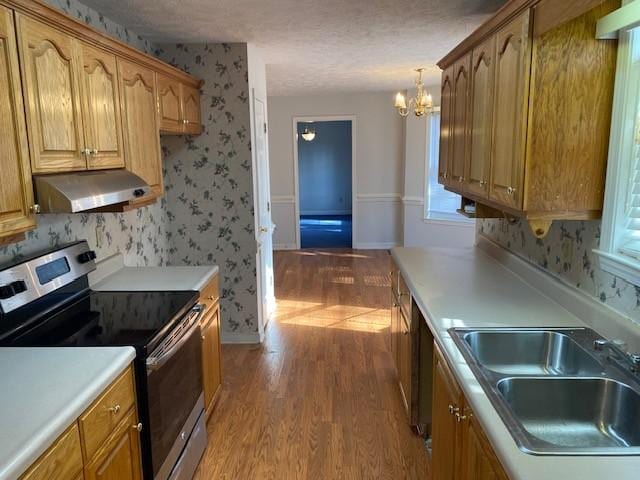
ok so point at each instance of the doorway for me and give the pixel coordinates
(324, 161)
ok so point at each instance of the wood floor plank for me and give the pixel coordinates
(319, 399)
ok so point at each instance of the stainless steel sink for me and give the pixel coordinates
(575, 415)
(559, 391)
(530, 352)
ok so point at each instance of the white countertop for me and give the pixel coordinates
(468, 288)
(44, 390)
(112, 275)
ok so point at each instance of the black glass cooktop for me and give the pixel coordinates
(138, 319)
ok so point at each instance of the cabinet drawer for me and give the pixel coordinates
(101, 418)
(63, 461)
(210, 294)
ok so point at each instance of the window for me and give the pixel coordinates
(439, 204)
(620, 240)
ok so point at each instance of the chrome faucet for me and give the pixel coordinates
(630, 361)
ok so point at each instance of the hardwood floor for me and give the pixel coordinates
(319, 399)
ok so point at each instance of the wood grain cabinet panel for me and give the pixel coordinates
(478, 165)
(169, 104)
(461, 86)
(191, 110)
(446, 126)
(460, 449)
(119, 457)
(513, 60)
(52, 90)
(16, 190)
(141, 134)
(405, 358)
(102, 417)
(211, 366)
(101, 102)
(62, 461)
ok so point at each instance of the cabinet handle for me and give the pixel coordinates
(460, 179)
(94, 151)
(396, 304)
(445, 175)
(35, 208)
(461, 418)
(115, 409)
(453, 410)
(86, 151)
(211, 297)
(482, 183)
(137, 427)
(511, 190)
(203, 337)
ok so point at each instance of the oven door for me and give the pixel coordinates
(174, 386)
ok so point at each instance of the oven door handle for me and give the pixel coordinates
(156, 362)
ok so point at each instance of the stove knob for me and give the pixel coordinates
(87, 256)
(14, 288)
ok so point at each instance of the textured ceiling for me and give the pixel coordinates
(316, 46)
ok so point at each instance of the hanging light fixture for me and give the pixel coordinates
(308, 135)
(422, 103)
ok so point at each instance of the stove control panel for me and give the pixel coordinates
(35, 277)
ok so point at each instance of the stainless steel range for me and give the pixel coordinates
(45, 300)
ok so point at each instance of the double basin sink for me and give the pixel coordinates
(555, 392)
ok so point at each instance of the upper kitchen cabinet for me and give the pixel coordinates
(101, 106)
(513, 59)
(478, 164)
(16, 192)
(533, 150)
(52, 96)
(178, 106)
(141, 134)
(460, 108)
(446, 127)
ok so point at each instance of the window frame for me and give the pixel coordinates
(621, 160)
(429, 216)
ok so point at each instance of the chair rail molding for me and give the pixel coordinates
(379, 197)
(283, 199)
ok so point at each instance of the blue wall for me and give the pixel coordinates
(324, 169)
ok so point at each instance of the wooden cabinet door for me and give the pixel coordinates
(52, 91)
(446, 131)
(404, 358)
(461, 85)
(141, 135)
(211, 373)
(16, 189)
(119, 458)
(445, 437)
(101, 107)
(481, 114)
(191, 109)
(513, 63)
(479, 461)
(169, 105)
(395, 330)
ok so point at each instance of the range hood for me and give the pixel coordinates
(81, 191)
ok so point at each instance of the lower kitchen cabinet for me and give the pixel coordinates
(119, 457)
(460, 449)
(211, 359)
(104, 442)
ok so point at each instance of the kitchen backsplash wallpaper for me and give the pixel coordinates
(567, 253)
(209, 184)
(140, 235)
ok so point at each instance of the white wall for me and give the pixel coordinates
(417, 231)
(324, 169)
(380, 138)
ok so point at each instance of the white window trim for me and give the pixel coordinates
(434, 216)
(623, 124)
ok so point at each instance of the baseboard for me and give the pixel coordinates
(284, 246)
(240, 338)
(326, 212)
(376, 245)
(599, 316)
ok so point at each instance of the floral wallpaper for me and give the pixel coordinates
(567, 253)
(209, 184)
(141, 234)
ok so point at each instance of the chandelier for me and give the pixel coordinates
(422, 103)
